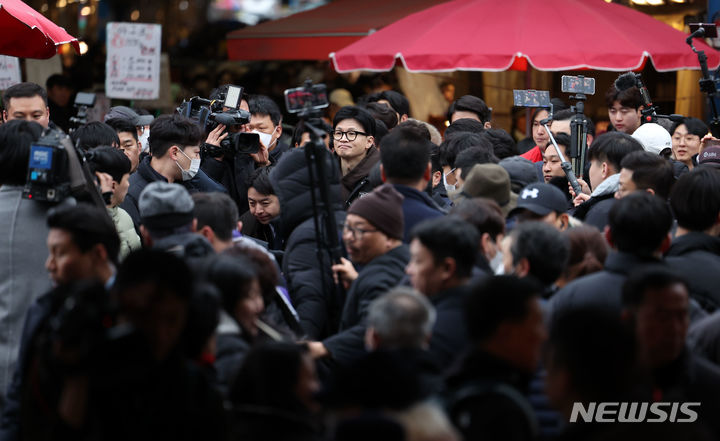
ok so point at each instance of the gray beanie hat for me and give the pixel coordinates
(165, 206)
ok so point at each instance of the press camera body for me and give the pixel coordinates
(83, 102)
(225, 110)
(56, 171)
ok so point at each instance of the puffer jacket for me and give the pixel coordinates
(316, 298)
(129, 239)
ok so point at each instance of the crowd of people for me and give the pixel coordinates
(366, 277)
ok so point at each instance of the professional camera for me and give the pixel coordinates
(56, 171)
(224, 110)
(83, 101)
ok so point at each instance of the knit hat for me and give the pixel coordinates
(488, 181)
(383, 209)
(126, 113)
(165, 206)
(653, 137)
(522, 172)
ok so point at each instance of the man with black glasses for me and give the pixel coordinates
(354, 141)
(372, 233)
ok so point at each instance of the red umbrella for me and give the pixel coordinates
(551, 35)
(26, 33)
(312, 34)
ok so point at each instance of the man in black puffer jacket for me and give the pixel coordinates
(695, 250)
(315, 296)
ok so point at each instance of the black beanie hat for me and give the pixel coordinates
(383, 209)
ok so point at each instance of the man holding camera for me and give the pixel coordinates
(233, 173)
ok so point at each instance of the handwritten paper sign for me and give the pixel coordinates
(9, 71)
(133, 61)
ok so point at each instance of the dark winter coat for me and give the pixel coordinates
(690, 378)
(497, 408)
(600, 289)
(375, 279)
(696, 256)
(222, 173)
(268, 233)
(417, 206)
(145, 174)
(10, 420)
(261, 423)
(357, 183)
(316, 298)
(596, 211)
(603, 289)
(704, 337)
(449, 338)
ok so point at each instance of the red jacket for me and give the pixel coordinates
(534, 154)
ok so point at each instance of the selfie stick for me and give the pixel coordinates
(707, 85)
(566, 166)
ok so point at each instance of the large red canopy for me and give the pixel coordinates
(550, 35)
(26, 33)
(313, 34)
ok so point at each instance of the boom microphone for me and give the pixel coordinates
(625, 81)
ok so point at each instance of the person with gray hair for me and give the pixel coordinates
(399, 326)
(402, 318)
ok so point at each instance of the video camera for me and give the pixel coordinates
(83, 101)
(56, 171)
(225, 110)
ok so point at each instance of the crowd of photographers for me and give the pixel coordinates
(366, 277)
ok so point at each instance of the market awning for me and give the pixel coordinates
(550, 35)
(314, 34)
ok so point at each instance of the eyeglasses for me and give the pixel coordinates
(350, 134)
(356, 233)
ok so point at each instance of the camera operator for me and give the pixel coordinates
(233, 173)
(175, 157)
(22, 241)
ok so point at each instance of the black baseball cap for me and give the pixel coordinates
(542, 199)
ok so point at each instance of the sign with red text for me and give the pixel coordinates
(133, 61)
(9, 71)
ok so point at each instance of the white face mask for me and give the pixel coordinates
(192, 171)
(265, 138)
(143, 140)
(448, 187)
(496, 264)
